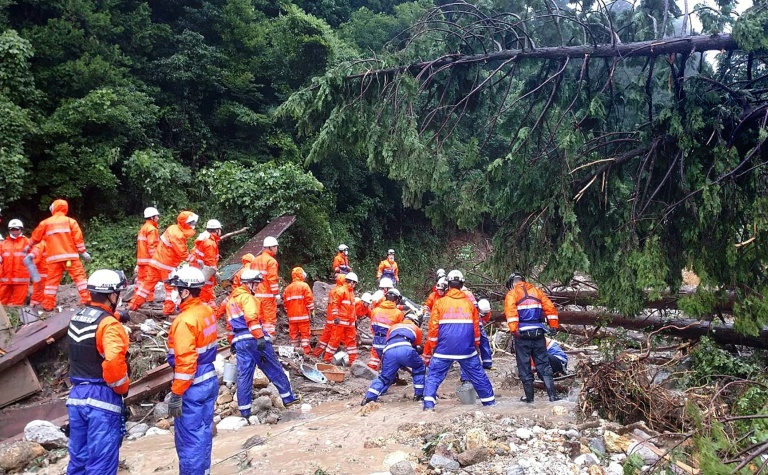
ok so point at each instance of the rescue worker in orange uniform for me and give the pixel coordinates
(171, 251)
(364, 306)
(191, 352)
(341, 308)
(383, 318)
(529, 311)
(441, 287)
(253, 346)
(38, 255)
(14, 276)
(325, 337)
(388, 268)
(454, 335)
(98, 344)
(64, 244)
(269, 289)
(341, 261)
(207, 255)
(246, 262)
(146, 244)
(299, 305)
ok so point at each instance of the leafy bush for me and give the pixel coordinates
(112, 244)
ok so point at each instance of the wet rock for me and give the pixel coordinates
(160, 411)
(225, 398)
(648, 455)
(615, 443)
(523, 433)
(597, 445)
(586, 460)
(402, 467)
(19, 454)
(473, 456)
(261, 403)
(443, 463)
(46, 434)
(360, 370)
(163, 424)
(475, 438)
(138, 430)
(157, 431)
(232, 423)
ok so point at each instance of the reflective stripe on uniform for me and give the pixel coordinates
(95, 403)
(454, 357)
(204, 377)
(120, 382)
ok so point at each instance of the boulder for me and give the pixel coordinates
(160, 411)
(615, 443)
(443, 463)
(597, 445)
(360, 370)
(586, 460)
(260, 380)
(232, 423)
(320, 291)
(262, 403)
(473, 456)
(225, 398)
(164, 424)
(138, 430)
(19, 454)
(475, 438)
(523, 433)
(648, 455)
(46, 434)
(402, 467)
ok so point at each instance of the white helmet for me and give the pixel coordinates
(188, 278)
(351, 277)
(343, 247)
(484, 306)
(442, 284)
(455, 276)
(150, 212)
(386, 283)
(213, 224)
(390, 251)
(367, 298)
(270, 241)
(440, 273)
(192, 219)
(377, 296)
(251, 275)
(15, 223)
(107, 281)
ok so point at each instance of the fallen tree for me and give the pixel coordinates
(667, 301)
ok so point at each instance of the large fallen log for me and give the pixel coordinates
(668, 300)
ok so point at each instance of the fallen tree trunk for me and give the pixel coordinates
(668, 300)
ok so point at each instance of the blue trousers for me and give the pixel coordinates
(94, 440)
(394, 359)
(486, 355)
(194, 429)
(248, 358)
(438, 368)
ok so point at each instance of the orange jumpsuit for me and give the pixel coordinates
(170, 252)
(14, 276)
(299, 304)
(38, 289)
(64, 242)
(146, 244)
(388, 269)
(383, 318)
(522, 307)
(341, 264)
(432, 298)
(246, 261)
(267, 289)
(341, 306)
(325, 337)
(207, 252)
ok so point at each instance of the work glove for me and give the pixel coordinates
(86, 257)
(420, 350)
(336, 321)
(552, 331)
(261, 344)
(125, 315)
(174, 405)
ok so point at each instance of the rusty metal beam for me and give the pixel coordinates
(35, 336)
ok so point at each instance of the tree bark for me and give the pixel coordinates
(687, 44)
(668, 300)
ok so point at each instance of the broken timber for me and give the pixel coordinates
(31, 338)
(668, 300)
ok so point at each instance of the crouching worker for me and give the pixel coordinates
(402, 350)
(99, 375)
(252, 344)
(191, 353)
(558, 360)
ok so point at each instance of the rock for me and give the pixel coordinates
(18, 454)
(46, 434)
(277, 402)
(538, 430)
(160, 411)
(234, 408)
(615, 468)
(586, 460)
(395, 457)
(225, 398)
(138, 430)
(157, 431)
(648, 455)
(360, 370)
(615, 443)
(402, 467)
(596, 470)
(232, 423)
(260, 380)
(475, 438)
(560, 410)
(515, 470)
(572, 434)
(224, 389)
(473, 456)
(597, 445)
(618, 458)
(523, 433)
(254, 421)
(272, 418)
(443, 463)
(216, 419)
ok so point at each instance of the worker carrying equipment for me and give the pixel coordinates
(383, 318)
(299, 305)
(64, 245)
(14, 273)
(269, 288)
(98, 371)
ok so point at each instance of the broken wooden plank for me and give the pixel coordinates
(275, 228)
(31, 338)
(18, 381)
(13, 422)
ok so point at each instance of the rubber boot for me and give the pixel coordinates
(549, 383)
(528, 390)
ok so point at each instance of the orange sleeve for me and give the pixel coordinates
(431, 300)
(252, 313)
(38, 234)
(334, 302)
(309, 298)
(77, 235)
(186, 355)
(510, 311)
(381, 269)
(337, 263)
(397, 271)
(432, 332)
(549, 310)
(419, 336)
(178, 242)
(475, 323)
(272, 278)
(153, 237)
(112, 342)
